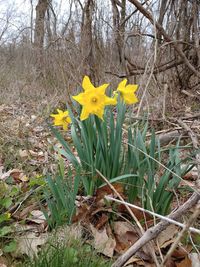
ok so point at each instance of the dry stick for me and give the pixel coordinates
(149, 78)
(157, 70)
(151, 249)
(148, 15)
(194, 230)
(185, 229)
(153, 232)
(120, 197)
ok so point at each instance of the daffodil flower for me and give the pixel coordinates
(93, 99)
(61, 119)
(127, 92)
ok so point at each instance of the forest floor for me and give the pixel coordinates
(27, 155)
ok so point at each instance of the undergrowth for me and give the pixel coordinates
(74, 253)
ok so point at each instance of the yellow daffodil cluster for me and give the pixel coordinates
(94, 100)
(61, 119)
(127, 92)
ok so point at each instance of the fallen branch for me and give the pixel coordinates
(154, 231)
(191, 220)
(140, 71)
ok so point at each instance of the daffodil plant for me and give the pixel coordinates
(97, 135)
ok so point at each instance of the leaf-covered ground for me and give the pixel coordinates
(27, 155)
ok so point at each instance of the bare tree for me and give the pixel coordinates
(41, 9)
(87, 39)
(119, 25)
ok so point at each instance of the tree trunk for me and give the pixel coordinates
(41, 9)
(87, 41)
(119, 27)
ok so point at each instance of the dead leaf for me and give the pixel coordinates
(181, 252)
(137, 260)
(33, 153)
(195, 259)
(102, 242)
(23, 153)
(140, 215)
(191, 175)
(28, 244)
(15, 173)
(170, 263)
(185, 263)
(103, 219)
(125, 236)
(21, 215)
(166, 237)
(106, 190)
(82, 213)
(4, 175)
(37, 217)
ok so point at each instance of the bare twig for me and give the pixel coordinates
(194, 230)
(153, 232)
(185, 229)
(120, 197)
(150, 247)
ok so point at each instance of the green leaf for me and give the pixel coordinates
(5, 230)
(119, 178)
(4, 217)
(11, 247)
(66, 147)
(6, 202)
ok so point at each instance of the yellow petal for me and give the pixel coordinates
(59, 111)
(66, 113)
(69, 120)
(132, 87)
(84, 114)
(58, 122)
(130, 98)
(122, 85)
(102, 88)
(86, 84)
(54, 115)
(79, 98)
(110, 101)
(100, 113)
(65, 126)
